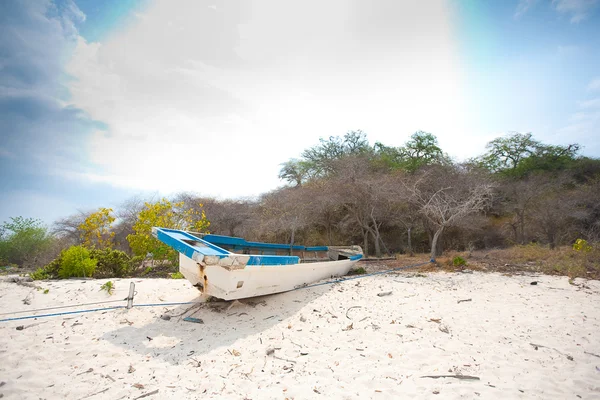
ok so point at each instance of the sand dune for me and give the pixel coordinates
(339, 341)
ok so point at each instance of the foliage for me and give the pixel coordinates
(76, 262)
(318, 160)
(177, 275)
(295, 171)
(22, 240)
(422, 149)
(96, 229)
(582, 245)
(108, 286)
(458, 261)
(111, 263)
(519, 154)
(49, 271)
(357, 271)
(164, 214)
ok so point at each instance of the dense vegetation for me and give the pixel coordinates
(412, 198)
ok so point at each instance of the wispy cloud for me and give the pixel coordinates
(577, 9)
(593, 103)
(594, 85)
(523, 7)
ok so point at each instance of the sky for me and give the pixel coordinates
(104, 100)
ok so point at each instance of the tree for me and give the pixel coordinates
(96, 230)
(319, 159)
(22, 240)
(361, 192)
(445, 195)
(67, 228)
(519, 154)
(422, 149)
(163, 214)
(294, 171)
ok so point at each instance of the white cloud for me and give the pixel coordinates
(523, 7)
(214, 100)
(594, 84)
(593, 103)
(577, 9)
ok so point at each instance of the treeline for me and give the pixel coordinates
(344, 190)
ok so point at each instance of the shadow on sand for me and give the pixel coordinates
(223, 324)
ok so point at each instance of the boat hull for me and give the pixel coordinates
(258, 280)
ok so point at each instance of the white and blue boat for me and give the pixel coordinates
(232, 268)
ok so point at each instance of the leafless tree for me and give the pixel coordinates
(444, 195)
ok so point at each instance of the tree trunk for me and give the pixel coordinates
(521, 215)
(410, 249)
(434, 243)
(292, 239)
(365, 242)
(376, 240)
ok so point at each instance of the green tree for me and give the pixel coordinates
(422, 149)
(22, 240)
(319, 160)
(519, 154)
(164, 214)
(295, 171)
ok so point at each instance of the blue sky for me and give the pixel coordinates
(102, 100)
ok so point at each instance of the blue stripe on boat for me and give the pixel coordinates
(188, 245)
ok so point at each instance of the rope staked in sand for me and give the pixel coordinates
(187, 302)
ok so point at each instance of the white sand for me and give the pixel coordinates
(393, 342)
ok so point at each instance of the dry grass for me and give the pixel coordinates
(530, 258)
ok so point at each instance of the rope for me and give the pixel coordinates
(188, 302)
(61, 313)
(363, 276)
(56, 308)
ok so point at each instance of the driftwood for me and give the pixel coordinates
(463, 377)
(147, 394)
(535, 346)
(351, 309)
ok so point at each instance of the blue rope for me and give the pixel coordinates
(60, 313)
(364, 276)
(195, 302)
(165, 304)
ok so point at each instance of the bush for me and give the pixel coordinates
(111, 263)
(135, 262)
(76, 262)
(50, 271)
(357, 271)
(458, 261)
(177, 275)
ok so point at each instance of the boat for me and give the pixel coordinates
(231, 268)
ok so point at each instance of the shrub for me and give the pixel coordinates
(50, 271)
(177, 275)
(582, 245)
(111, 263)
(458, 261)
(109, 287)
(135, 262)
(357, 271)
(76, 262)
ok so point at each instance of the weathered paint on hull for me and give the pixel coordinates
(258, 280)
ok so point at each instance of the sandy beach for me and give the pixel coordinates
(378, 337)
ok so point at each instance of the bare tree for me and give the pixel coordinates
(444, 195)
(363, 193)
(67, 228)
